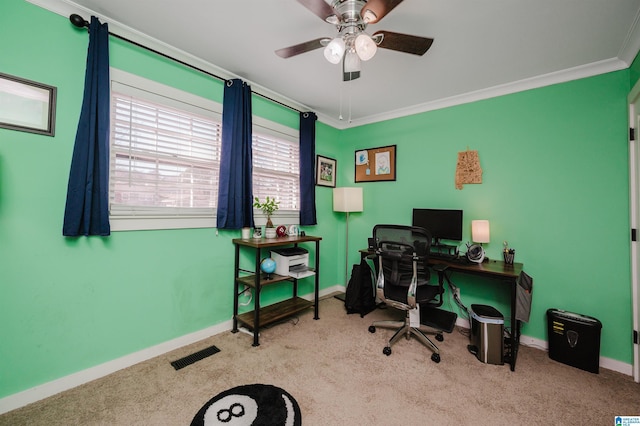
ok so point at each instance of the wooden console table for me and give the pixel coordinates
(261, 316)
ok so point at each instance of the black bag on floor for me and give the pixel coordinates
(359, 297)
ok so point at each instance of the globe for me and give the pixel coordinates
(268, 266)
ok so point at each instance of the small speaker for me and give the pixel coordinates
(371, 243)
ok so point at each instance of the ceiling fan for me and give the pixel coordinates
(352, 44)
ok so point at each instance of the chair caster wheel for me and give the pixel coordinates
(386, 351)
(372, 329)
(439, 337)
(435, 358)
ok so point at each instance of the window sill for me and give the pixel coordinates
(137, 223)
(147, 223)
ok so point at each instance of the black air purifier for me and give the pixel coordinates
(574, 339)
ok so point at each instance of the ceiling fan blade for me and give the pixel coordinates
(307, 46)
(404, 42)
(319, 8)
(380, 8)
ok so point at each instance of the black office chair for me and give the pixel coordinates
(404, 281)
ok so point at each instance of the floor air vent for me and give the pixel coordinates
(197, 356)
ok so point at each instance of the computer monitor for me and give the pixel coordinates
(443, 224)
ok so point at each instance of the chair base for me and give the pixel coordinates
(404, 328)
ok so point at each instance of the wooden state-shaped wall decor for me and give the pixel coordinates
(468, 168)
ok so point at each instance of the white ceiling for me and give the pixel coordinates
(481, 48)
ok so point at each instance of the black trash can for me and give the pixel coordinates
(487, 334)
(574, 339)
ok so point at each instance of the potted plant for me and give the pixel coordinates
(269, 206)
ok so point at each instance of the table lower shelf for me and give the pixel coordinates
(276, 312)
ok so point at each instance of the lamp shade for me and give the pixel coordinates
(480, 231)
(347, 199)
(334, 50)
(365, 47)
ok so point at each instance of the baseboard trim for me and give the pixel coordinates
(335, 289)
(62, 384)
(608, 363)
(48, 389)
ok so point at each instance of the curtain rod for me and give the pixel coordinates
(80, 22)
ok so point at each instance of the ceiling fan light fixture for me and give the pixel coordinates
(365, 46)
(334, 50)
(332, 19)
(351, 61)
(369, 16)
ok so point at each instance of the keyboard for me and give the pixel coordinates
(441, 256)
(460, 260)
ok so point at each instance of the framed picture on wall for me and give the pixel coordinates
(27, 106)
(325, 171)
(375, 164)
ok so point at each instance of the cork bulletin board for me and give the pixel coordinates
(375, 164)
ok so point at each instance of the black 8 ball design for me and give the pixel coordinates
(250, 405)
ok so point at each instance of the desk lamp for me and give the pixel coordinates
(479, 234)
(347, 199)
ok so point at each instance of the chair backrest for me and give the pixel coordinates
(415, 237)
(402, 253)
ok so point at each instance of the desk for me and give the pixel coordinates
(261, 316)
(496, 270)
(499, 271)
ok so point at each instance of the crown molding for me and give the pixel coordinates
(627, 54)
(562, 76)
(631, 44)
(66, 8)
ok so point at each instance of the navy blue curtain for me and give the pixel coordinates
(87, 208)
(307, 169)
(235, 191)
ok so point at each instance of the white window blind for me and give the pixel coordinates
(164, 160)
(276, 168)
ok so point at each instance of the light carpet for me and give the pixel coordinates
(337, 373)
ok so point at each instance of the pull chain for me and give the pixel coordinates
(349, 103)
(340, 116)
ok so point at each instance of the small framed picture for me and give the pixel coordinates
(27, 106)
(325, 171)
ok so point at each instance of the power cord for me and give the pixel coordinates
(246, 290)
(463, 312)
(455, 294)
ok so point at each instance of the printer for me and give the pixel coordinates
(292, 261)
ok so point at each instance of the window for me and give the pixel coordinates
(165, 158)
(276, 169)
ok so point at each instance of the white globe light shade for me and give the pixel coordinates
(334, 50)
(365, 47)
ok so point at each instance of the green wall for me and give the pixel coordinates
(555, 185)
(634, 71)
(70, 304)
